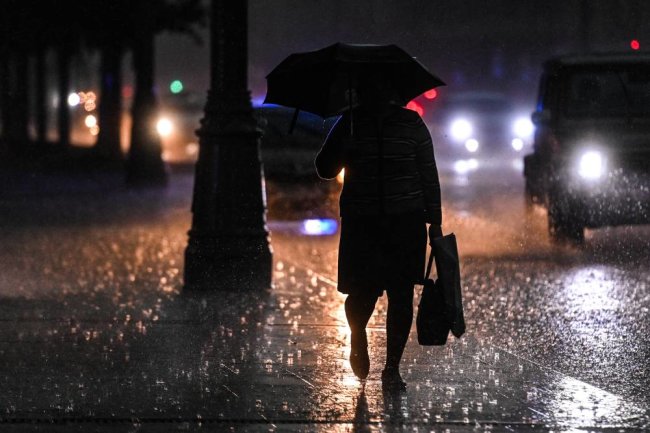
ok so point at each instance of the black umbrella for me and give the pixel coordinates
(321, 81)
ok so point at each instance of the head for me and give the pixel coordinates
(374, 88)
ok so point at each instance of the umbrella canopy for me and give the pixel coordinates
(321, 81)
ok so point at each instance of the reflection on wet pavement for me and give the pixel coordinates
(95, 326)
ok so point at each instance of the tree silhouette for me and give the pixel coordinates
(15, 43)
(110, 30)
(145, 163)
(67, 40)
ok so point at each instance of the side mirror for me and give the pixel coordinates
(541, 117)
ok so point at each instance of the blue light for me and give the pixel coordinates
(258, 101)
(318, 227)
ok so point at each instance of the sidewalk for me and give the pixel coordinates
(97, 335)
(273, 363)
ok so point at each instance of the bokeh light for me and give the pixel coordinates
(471, 145)
(431, 94)
(164, 127)
(73, 99)
(415, 107)
(90, 121)
(176, 86)
(90, 105)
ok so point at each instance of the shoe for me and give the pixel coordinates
(392, 381)
(359, 359)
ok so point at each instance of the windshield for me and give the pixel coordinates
(621, 91)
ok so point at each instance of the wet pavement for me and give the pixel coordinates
(97, 335)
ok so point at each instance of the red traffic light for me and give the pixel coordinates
(634, 44)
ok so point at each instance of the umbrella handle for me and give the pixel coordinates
(294, 119)
(350, 101)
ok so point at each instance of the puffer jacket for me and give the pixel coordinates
(389, 164)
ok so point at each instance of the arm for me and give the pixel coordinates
(330, 158)
(428, 171)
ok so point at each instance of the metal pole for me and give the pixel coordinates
(228, 244)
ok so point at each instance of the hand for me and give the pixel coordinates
(434, 232)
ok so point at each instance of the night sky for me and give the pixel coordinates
(471, 44)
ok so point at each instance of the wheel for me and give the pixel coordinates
(564, 224)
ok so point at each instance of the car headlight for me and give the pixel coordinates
(164, 127)
(523, 127)
(591, 165)
(517, 144)
(461, 129)
(471, 145)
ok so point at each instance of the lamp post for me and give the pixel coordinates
(229, 242)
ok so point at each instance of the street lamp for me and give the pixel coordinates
(228, 245)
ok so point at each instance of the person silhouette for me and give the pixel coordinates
(390, 192)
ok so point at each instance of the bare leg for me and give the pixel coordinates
(358, 309)
(398, 327)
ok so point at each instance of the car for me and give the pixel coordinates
(590, 164)
(289, 155)
(470, 124)
(178, 119)
(286, 155)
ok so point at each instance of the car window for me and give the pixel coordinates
(617, 92)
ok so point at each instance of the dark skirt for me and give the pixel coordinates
(377, 253)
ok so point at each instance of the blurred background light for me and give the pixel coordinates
(471, 145)
(591, 165)
(517, 144)
(90, 121)
(412, 105)
(164, 127)
(523, 127)
(176, 86)
(318, 227)
(431, 94)
(464, 166)
(461, 129)
(73, 99)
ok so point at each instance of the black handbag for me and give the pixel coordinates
(432, 319)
